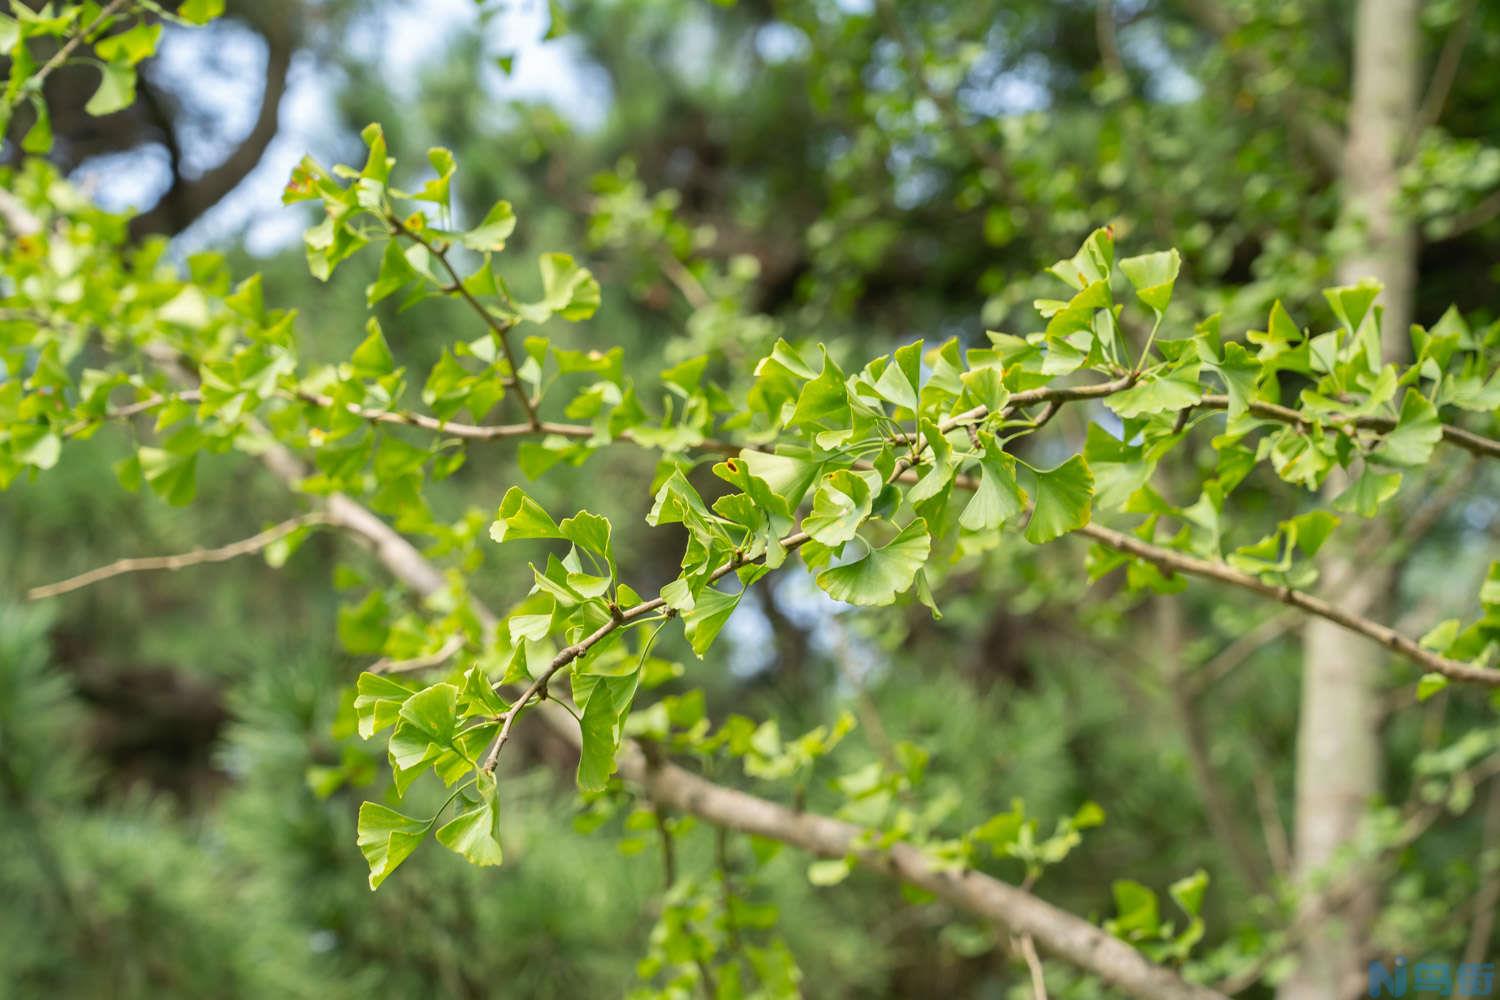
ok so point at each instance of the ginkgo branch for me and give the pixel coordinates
(197, 557)
(500, 330)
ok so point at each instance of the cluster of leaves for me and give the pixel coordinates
(39, 40)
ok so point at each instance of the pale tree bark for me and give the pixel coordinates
(1338, 740)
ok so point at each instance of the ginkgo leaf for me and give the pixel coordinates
(999, 497)
(475, 832)
(1063, 500)
(522, 517)
(840, 505)
(877, 577)
(386, 838)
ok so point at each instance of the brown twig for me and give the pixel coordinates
(196, 557)
(1444, 73)
(61, 56)
(1034, 965)
(440, 656)
(1179, 562)
(501, 330)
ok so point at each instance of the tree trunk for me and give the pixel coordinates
(1338, 742)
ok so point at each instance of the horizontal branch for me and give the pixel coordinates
(1163, 557)
(1052, 397)
(196, 557)
(1058, 932)
(1469, 441)
(1179, 562)
(440, 656)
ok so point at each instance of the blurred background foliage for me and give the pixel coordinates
(855, 172)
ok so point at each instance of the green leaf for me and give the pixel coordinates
(1157, 393)
(1429, 685)
(876, 578)
(900, 382)
(1416, 434)
(1139, 916)
(131, 46)
(437, 189)
(1239, 372)
(789, 476)
(363, 627)
(386, 838)
(475, 832)
(426, 725)
(378, 702)
(201, 12)
(493, 230)
(522, 517)
(710, 612)
(38, 138)
(999, 497)
(824, 401)
(591, 532)
(395, 274)
(1351, 303)
(172, 474)
(1152, 276)
(840, 505)
(602, 729)
(829, 871)
(1188, 892)
(1062, 498)
(568, 290)
(1441, 636)
(372, 358)
(1092, 263)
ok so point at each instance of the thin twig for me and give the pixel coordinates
(1488, 208)
(1465, 439)
(61, 56)
(1178, 562)
(1444, 73)
(1487, 899)
(1034, 964)
(224, 553)
(1271, 825)
(440, 656)
(1212, 789)
(501, 330)
(131, 410)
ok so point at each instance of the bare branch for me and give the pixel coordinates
(1178, 562)
(196, 557)
(440, 656)
(1469, 441)
(1487, 899)
(1444, 73)
(1034, 966)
